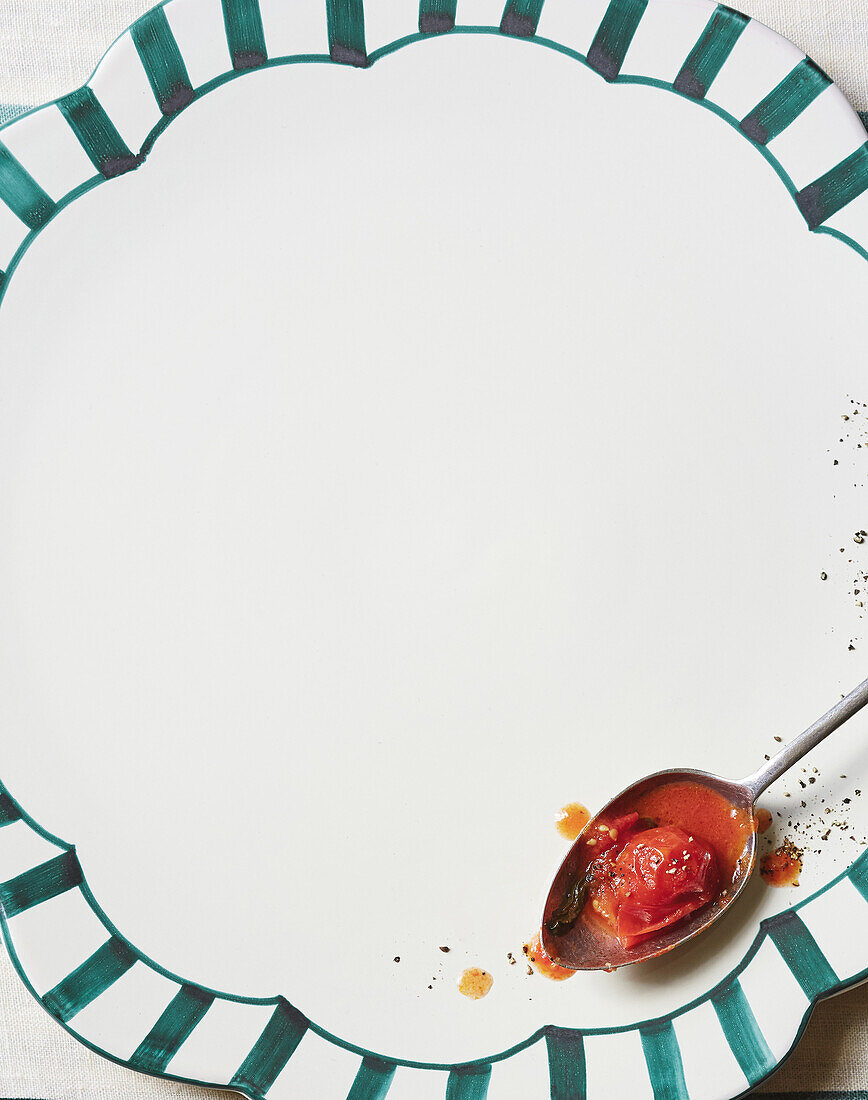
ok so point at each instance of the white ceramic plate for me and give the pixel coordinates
(429, 434)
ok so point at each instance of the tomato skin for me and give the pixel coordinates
(655, 878)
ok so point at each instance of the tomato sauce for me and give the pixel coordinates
(645, 866)
(783, 866)
(475, 983)
(572, 819)
(544, 965)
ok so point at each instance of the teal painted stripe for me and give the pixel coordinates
(832, 191)
(714, 46)
(21, 193)
(436, 16)
(346, 25)
(858, 875)
(172, 1030)
(373, 1080)
(96, 133)
(520, 17)
(746, 1040)
(614, 36)
(48, 880)
(567, 1072)
(802, 954)
(162, 61)
(271, 1051)
(663, 1059)
(468, 1082)
(785, 103)
(9, 812)
(244, 34)
(88, 981)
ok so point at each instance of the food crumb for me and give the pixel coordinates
(445, 950)
(475, 983)
(397, 959)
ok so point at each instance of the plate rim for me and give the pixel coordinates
(818, 202)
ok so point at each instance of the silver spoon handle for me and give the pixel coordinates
(813, 735)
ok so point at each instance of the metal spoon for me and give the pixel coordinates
(583, 946)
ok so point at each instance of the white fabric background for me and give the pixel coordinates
(47, 48)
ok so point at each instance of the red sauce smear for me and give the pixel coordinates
(572, 819)
(546, 966)
(645, 867)
(783, 866)
(763, 820)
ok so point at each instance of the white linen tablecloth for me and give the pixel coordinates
(49, 47)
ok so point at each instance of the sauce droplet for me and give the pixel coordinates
(783, 866)
(763, 820)
(475, 983)
(572, 819)
(546, 966)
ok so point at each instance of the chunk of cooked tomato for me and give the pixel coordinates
(658, 877)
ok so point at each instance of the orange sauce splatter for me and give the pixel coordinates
(573, 818)
(546, 966)
(475, 983)
(783, 866)
(763, 820)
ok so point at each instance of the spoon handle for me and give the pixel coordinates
(813, 735)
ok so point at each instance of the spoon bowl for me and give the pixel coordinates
(586, 946)
(573, 941)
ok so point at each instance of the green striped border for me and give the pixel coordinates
(800, 952)
(42, 883)
(272, 1050)
(612, 40)
(743, 1033)
(22, 194)
(785, 102)
(373, 1080)
(437, 16)
(568, 1079)
(172, 1030)
(287, 1027)
(162, 61)
(244, 34)
(165, 69)
(707, 57)
(520, 18)
(346, 31)
(95, 975)
(8, 809)
(97, 134)
(468, 1082)
(164, 66)
(833, 190)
